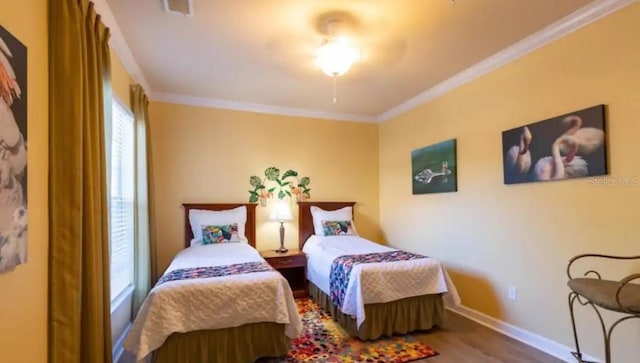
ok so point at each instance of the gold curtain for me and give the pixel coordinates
(79, 301)
(145, 251)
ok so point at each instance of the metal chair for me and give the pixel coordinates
(620, 296)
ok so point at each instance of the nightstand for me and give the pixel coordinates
(293, 266)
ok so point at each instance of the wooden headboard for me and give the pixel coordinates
(249, 229)
(305, 221)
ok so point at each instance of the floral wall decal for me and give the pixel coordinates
(286, 185)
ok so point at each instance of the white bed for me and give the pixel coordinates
(405, 293)
(378, 282)
(212, 303)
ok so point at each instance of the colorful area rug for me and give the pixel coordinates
(324, 341)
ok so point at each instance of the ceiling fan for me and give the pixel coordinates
(334, 42)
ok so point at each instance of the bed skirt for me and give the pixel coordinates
(385, 319)
(243, 344)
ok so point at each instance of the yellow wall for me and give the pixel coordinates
(121, 81)
(207, 155)
(492, 235)
(23, 291)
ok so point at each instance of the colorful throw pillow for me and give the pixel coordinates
(337, 228)
(319, 215)
(220, 234)
(203, 217)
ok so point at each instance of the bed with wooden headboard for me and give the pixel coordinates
(305, 220)
(250, 226)
(382, 319)
(244, 343)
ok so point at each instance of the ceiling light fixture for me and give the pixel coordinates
(336, 55)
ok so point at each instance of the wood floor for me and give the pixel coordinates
(464, 341)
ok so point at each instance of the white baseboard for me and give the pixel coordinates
(534, 340)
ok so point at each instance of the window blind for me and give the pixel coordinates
(122, 199)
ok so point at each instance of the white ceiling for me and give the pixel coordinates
(259, 53)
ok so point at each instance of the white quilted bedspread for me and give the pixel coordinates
(377, 282)
(212, 303)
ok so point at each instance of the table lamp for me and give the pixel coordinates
(281, 213)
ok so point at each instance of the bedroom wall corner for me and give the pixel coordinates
(23, 301)
(207, 155)
(492, 235)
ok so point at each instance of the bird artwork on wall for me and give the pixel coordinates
(433, 168)
(13, 151)
(563, 147)
(518, 158)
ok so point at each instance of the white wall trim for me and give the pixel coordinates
(572, 22)
(534, 340)
(118, 348)
(119, 44)
(255, 107)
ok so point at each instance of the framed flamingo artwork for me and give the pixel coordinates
(568, 146)
(13, 151)
(433, 168)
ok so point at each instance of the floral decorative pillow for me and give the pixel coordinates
(220, 234)
(337, 228)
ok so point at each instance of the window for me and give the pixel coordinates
(122, 199)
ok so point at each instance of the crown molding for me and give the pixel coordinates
(570, 23)
(121, 48)
(256, 107)
(119, 44)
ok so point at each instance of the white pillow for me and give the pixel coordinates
(319, 215)
(199, 218)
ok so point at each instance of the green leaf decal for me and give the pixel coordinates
(289, 173)
(276, 182)
(255, 181)
(272, 173)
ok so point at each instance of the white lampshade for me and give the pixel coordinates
(281, 212)
(336, 56)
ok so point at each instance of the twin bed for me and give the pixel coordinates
(221, 302)
(204, 307)
(395, 294)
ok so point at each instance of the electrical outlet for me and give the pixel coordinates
(513, 293)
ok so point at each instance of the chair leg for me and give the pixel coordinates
(606, 333)
(607, 338)
(577, 354)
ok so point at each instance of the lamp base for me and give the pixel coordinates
(282, 249)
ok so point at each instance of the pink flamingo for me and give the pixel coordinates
(555, 167)
(9, 88)
(589, 138)
(518, 157)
